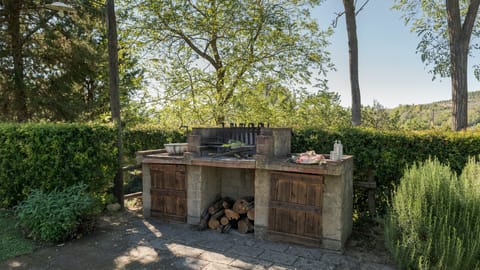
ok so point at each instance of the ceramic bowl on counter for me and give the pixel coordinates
(176, 148)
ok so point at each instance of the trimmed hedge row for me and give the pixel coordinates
(47, 156)
(148, 137)
(389, 153)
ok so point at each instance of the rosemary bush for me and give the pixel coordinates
(58, 215)
(433, 219)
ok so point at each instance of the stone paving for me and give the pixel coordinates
(137, 243)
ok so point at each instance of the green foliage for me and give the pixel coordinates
(277, 106)
(433, 220)
(148, 137)
(207, 54)
(428, 19)
(49, 156)
(58, 215)
(12, 241)
(54, 67)
(436, 115)
(388, 153)
(378, 117)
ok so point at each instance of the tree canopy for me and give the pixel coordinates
(209, 55)
(54, 66)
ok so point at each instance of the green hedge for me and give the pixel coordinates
(148, 137)
(388, 153)
(47, 156)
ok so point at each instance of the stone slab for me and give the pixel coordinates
(278, 257)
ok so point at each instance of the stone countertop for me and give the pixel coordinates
(162, 158)
(189, 159)
(329, 168)
(258, 162)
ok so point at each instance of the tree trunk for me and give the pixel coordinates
(20, 110)
(459, 40)
(458, 70)
(353, 54)
(115, 95)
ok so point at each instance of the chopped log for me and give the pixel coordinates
(224, 228)
(224, 202)
(242, 205)
(231, 215)
(205, 216)
(224, 220)
(213, 224)
(218, 214)
(203, 224)
(215, 207)
(245, 226)
(251, 214)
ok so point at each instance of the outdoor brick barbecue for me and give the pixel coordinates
(305, 204)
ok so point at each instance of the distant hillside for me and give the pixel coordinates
(436, 114)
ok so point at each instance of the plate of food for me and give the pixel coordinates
(309, 158)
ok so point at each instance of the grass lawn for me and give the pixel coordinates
(12, 241)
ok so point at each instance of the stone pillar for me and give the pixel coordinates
(146, 186)
(262, 200)
(194, 144)
(337, 208)
(202, 187)
(265, 146)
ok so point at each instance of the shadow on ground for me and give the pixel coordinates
(127, 241)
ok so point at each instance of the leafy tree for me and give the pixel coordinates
(378, 117)
(53, 67)
(446, 28)
(267, 103)
(322, 110)
(208, 53)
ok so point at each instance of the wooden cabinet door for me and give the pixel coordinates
(168, 191)
(295, 213)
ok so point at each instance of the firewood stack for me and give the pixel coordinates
(225, 213)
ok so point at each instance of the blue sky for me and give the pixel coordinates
(390, 70)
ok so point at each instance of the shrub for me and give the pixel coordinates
(148, 137)
(433, 220)
(58, 215)
(49, 156)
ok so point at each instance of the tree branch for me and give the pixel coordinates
(192, 45)
(470, 19)
(340, 14)
(361, 8)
